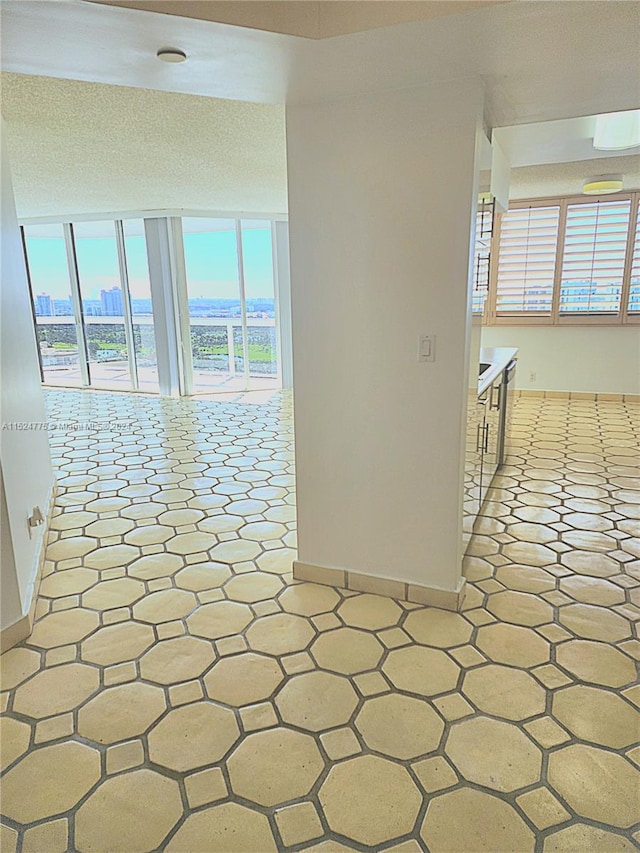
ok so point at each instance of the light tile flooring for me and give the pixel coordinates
(179, 692)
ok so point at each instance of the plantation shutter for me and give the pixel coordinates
(594, 254)
(634, 292)
(527, 259)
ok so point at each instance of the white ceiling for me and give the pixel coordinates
(553, 142)
(539, 60)
(308, 18)
(80, 148)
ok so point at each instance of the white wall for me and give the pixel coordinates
(381, 199)
(604, 359)
(24, 454)
(10, 603)
(282, 266)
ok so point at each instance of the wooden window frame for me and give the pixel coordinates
(555, 318)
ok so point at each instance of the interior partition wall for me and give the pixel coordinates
(180, 305)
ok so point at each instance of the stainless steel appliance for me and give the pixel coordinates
(506, 408)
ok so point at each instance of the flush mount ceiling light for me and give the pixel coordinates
(616, 131)
(602, 186)
(171, 54)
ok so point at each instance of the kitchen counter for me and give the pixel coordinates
(498, 358)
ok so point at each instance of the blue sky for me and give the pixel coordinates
(211, 262)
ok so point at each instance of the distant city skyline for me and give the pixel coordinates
(111, 302)
(110, 305)
(44, 305)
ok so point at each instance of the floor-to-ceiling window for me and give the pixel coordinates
(92, 304)
(232, 304)
(103, 304)
(55, 318)
(214, 302)
(97, 304)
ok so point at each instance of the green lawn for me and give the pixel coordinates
(256, 352)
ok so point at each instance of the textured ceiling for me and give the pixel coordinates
(92, 148)
(307, 18)
(568, 178)
(80, 147)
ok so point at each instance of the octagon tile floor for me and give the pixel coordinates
(180, 692)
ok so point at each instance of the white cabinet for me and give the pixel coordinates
(490, 437)
(481, 451)
(472, 467)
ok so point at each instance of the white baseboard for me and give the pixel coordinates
(417, 593)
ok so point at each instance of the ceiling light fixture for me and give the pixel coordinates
(171, 54)
(602, 186)
(616, 131)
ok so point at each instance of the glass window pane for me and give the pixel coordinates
(215, 317)
(144, 342)
(55, 322)
(257, 258)
(102, 307)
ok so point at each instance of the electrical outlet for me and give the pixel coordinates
(35, 519)
(532, 377)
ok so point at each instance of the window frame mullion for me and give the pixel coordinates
(23, 240)
(243, 304)
(76, 301)
(625, 292)
(559, 262)
(180, 295)
(126, 304)
(276, 297)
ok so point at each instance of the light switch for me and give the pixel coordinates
(427, 348)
